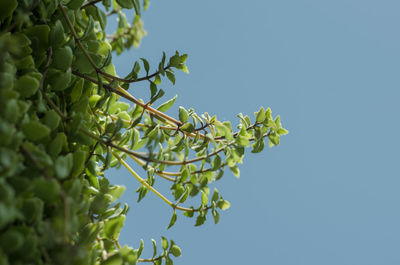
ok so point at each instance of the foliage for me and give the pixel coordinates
(66, 117)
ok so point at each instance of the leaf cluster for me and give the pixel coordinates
(66, 117)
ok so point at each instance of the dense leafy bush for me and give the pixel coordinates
(62, 124)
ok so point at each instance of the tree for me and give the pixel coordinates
(66, 117)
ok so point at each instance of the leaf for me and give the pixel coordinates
(113, 227)
(139, 252)
(175, 60)
(165, 106)
(146, 65)
(215, 215)
(278, 122)
(183, 68)
(7, 7)
(63, 165)
(34, 130)
(260, 115)
(164, 243)
(223, 204)
(282, 131)
(52, 119)
(204, 198)
(168, 261)
(157, 80)
(153, 89)
(187, 127)
(242, 141)
(258, 146)
(154, 247)
(215, 195)
(200, 220)
(115, 259)
(27, 86)
(128, 4)
(47, 190)
(171, 77)
(173, 220)
(176, 251)
(235, 170)
(136, 4)
(159, 94)
(274, 138)
(183, 114)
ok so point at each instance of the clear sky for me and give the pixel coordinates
(329, 194)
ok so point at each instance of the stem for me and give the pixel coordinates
(141, 156)
(123, 93)
(150, 260)
(147, 185)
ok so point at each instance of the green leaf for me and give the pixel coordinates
(216, 163)
(27, 86)
(146, 65)
(52, 119)
(59, 80)
(175, 60)
(173, 220)
(154, 247)
(113, 227)
(223, 204)
(165, 106)
(187, 127)
(62, 58)
(215, 215)
(57, 144)
(102, 18)
(168, 261)
(171, 77)
(139, 252)
(47, 190)
(274, 138)
(157, 80)
(258, 146)
(235, 170)
(34, 130)
(183, 114)
(153, 89)
(7, 7)
(115, 259)
(268, 113)
(282, 131)
(260, 115)
(11, 240)
(128, 4)
(183, 68)
(63, 165)
(204, 198)
(176, 251)
(200, 220)
(278, 122)
(116, 192)
(242, 141)
(56, 35)
(80, 157)
(164, 243)
(136, 4)
(215, 195)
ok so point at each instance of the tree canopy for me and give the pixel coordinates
(66, 116)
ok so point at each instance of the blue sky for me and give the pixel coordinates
(329, 194)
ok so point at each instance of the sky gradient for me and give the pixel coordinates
(329, 194)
